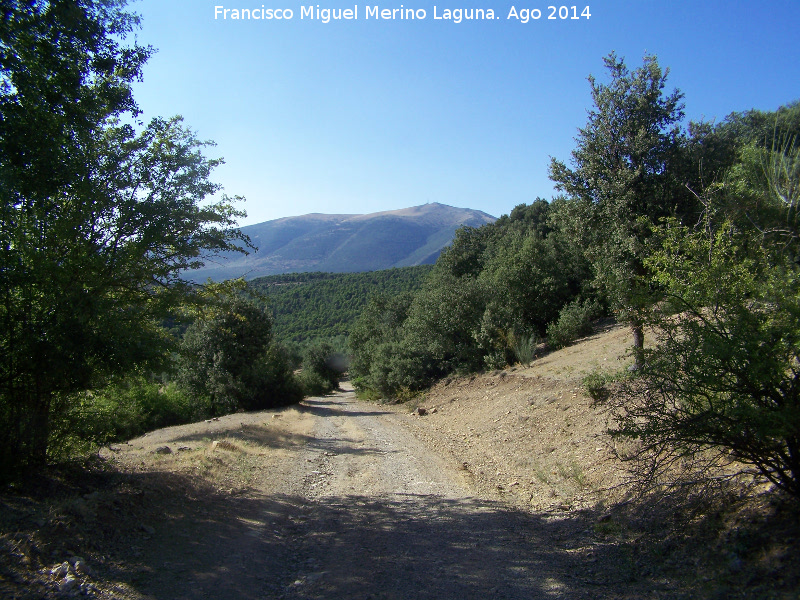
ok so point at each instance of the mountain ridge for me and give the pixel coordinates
(344, 243)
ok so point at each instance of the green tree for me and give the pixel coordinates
(375, 340)
(325, 363)
(623, 179)
(97, 221)
(723, 382)
(227, 356)
(312, 306)
(488, 299)
(723, 378)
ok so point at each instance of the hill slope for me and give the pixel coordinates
(308, 306)
(345, 243)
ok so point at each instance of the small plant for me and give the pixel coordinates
(597, 384)
(607, 527)
(524, 347)
(574, 472)
(364, 392)
(541, 474)
(495, 360)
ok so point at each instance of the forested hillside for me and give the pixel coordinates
(314, 306)
(689, 231)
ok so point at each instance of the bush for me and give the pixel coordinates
(524, 347)
(270, 381)
(597, 383)
(326, 364)
(574, 321)
(314, 384)
(722, 383)
(121, 411)
(227, 356)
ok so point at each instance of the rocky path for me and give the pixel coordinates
(345, 502)
(386, 518)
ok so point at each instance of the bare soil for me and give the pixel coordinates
(505, 488)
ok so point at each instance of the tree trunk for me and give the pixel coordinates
(638, 345)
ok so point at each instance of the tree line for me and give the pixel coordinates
(686, 230)
(323, 306)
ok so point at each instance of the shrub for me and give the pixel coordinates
(597, 383)
(494, 360)
(325, 363)
(314, 384)
(121, 411)
(270, 381)
(574, 321)
(524, 347)
(722, 382)
(227, 356)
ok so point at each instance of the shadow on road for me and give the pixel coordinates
(321, 407)
(211, 545)
(160, 535)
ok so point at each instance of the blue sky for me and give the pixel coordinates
(357, 116)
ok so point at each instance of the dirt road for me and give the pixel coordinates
(505, 489)
(384, 517)
(339, 498)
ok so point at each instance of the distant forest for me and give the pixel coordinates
(314, 306)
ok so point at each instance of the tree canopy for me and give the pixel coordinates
(623, 178)
(98, 220)
(323, 306)
(722, 381)
(490, 296)
(228, 356)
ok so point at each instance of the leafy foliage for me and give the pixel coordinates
(491, 289)
(724, 375)
(375, 342)
(625, 165)
(227, 356)
(574, 321)
(121, 411)
(722, 382)
(97, 221)
(322, 369)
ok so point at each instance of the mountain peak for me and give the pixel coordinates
(345, 243)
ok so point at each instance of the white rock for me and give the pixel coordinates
(59, 571)
(81, 568)
(69, 584)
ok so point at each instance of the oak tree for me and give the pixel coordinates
(98, 220)
(622, 179)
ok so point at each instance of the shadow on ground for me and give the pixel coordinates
(321, 407)
(166, 536)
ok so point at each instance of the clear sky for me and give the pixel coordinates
(366, 114)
